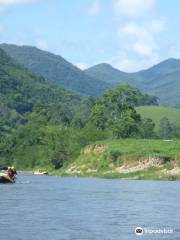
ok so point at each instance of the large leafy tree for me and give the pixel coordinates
(116, 111)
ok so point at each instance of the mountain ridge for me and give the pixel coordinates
(161, 80)
(21, 90)
(55, 68)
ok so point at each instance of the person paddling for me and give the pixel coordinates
(12, 172)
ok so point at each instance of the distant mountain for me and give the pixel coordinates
(161, 80)
(108, 74)
(20, 90)
(55, 68)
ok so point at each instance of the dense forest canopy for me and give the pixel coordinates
(20, 90)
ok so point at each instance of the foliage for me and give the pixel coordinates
(134, 155)
(147, 128)
(127, 125)
(156, 113)
(144, 147)
(42, 124)
(115, 111)
(165, 130)
(51, 135)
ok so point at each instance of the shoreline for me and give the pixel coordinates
(122, 159)
(117, 176)
(103, 176)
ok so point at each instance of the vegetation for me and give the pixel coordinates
(156, 113)
(128, 158)
(21, 90)
(166, 120)
(43, 125)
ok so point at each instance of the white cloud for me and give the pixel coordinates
(144, 49)
(42, 44)
(132, 29)
(14, 2)
(132, 64)
(139, 39)
(138, 26)
(82, 66)
(94, 9)
(139, 45)
(124, 63)
(134, 8)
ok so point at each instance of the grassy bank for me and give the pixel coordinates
(131, 158)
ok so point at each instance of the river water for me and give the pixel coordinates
(56, 208)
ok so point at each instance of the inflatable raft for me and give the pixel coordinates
(4, 178)
(40, 172)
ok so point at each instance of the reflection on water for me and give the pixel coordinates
(43, 208)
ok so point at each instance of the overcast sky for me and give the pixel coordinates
(129, 34)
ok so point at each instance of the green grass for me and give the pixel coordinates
(128, 152)
(144, 147)
(156, 113)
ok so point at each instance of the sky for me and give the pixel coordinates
(131, 35)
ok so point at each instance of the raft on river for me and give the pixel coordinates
(40, 172)
(4, 178)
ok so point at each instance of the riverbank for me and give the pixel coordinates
(130, 159)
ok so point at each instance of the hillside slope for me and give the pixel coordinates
(161, 80)
(108, 74)
(21, 90)
(55, 68)
(156, 113)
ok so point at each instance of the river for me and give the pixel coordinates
(64, 208)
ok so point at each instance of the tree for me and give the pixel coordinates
(59, 156)
(147, 128)
(99, 116)
(126, 126)
(176, 130)
(165, 129)
(121, 98)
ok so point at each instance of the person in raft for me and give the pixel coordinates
(12, 172)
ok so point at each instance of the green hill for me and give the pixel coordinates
(21, 90)
(156, 113)
(55, 68)
(161, 80)
(108, 74)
